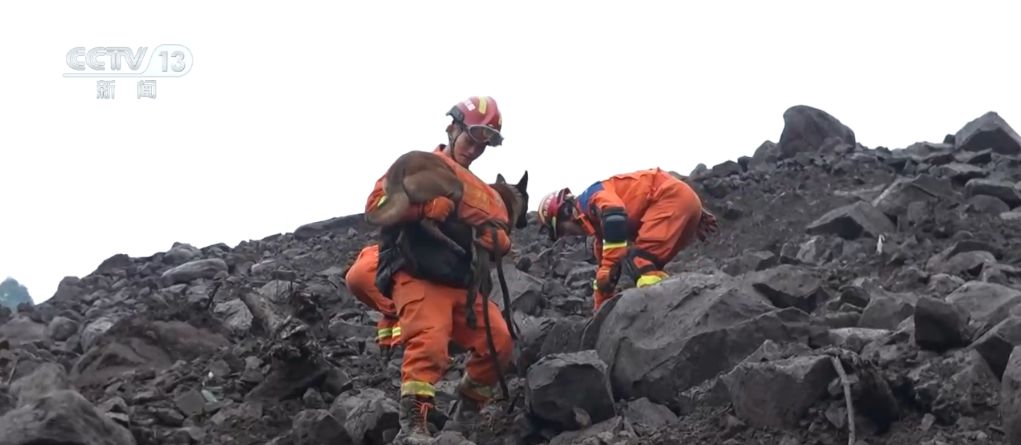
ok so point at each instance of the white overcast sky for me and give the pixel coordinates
(293, 109)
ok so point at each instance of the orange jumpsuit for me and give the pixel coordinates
(658, 213)
(432, 314)
(361, 281)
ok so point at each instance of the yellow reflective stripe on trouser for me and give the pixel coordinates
(608, 246)
(382, 199)
(396, 332)
(417, 388)
(384, 333)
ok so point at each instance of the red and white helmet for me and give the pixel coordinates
(550, 208)
(481, 118)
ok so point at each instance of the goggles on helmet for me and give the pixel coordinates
(482, 134)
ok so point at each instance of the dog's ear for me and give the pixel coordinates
(500, 179)
(523, 182)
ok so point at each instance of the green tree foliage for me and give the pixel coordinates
(12, 293)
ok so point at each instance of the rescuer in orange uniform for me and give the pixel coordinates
(361, 276)
(361, 281)
(431, 301)
(658, 213)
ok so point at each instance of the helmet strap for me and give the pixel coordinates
(567, 209)
(453, 135)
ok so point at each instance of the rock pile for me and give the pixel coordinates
(850, 289)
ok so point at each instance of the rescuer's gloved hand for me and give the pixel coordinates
(438, 208)
(650, 278)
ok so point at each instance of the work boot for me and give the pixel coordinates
(467, 414)
(413, 418)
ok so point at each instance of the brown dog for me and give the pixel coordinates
(515, 200)
(515, 197)
(415, 178)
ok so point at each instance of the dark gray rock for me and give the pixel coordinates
(806, 129)
(896, 198)
(968, 263)
(940, 325)
(661, 340)
(1010, 397)
(819, 249)
(855, 295)
(727, 168)
(852, 222)
(569, 390)
(751, 261)
(526, 291)
(928, 153)
(955, 385)
(842, 320)
(988, 205)
(980, 157)
(614, 431)
(1008, 192)
(366, 414)
(61, 328)
(22, 330)
(647, 417)
(790, 286)
(235, 315)
(319, 427)
(181, 253)
(332, 225)
(997, 344)
(855, 339)
(778, 393)
(565, 336)
(988, 131)
(194, 270)
(940, 285)
(48, 411)
(580, 277)
(887, 311)
(767, 154)
(770, 350)
(960, 172)
(341, 329)
(986, 303)
(94, 330)
(711, 393)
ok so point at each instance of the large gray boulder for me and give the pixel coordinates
(49, 412)
(988, 131)
(806, 129)
(1010, 397)
(570, 390)
(661, 340)
(778, 393)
